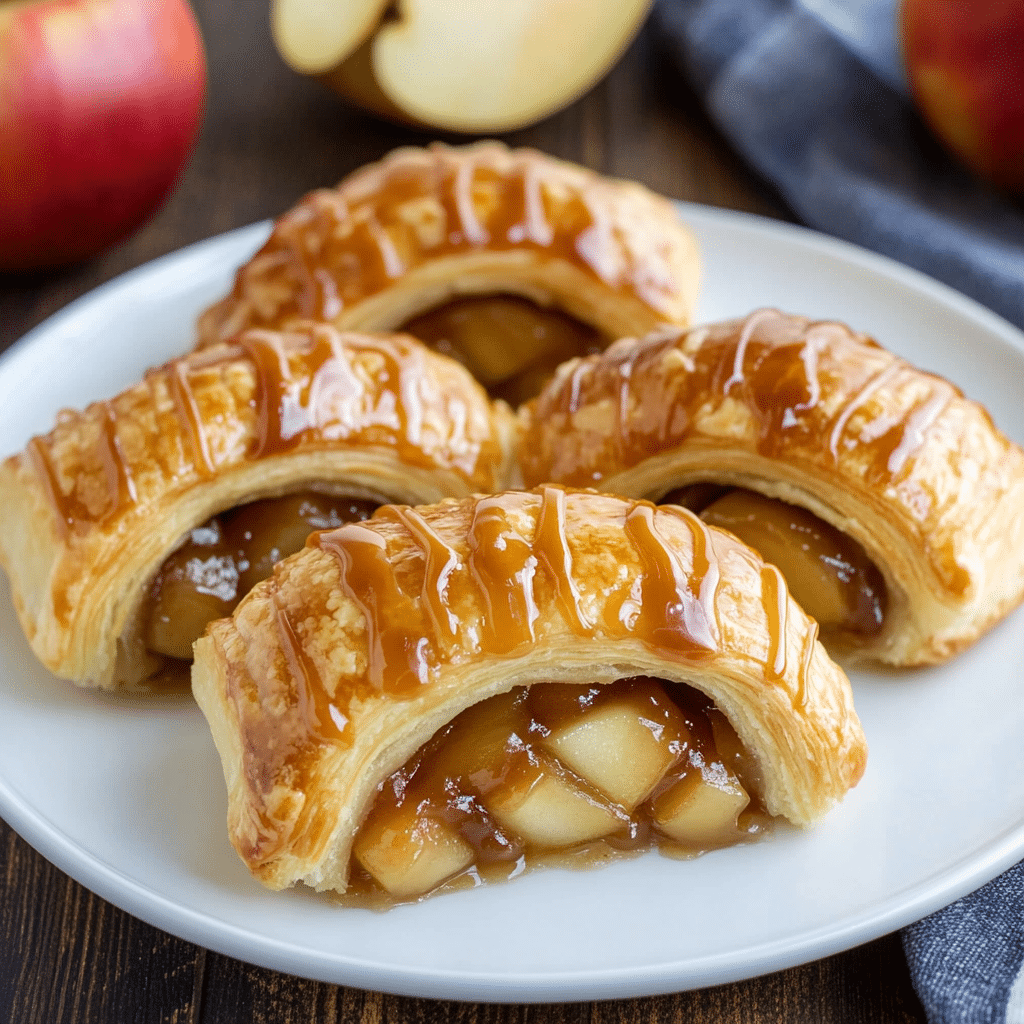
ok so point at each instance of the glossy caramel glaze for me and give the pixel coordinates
(104, 497)
(422, 222)
(818, 415)
(362, 645)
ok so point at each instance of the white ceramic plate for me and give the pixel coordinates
(126, 794)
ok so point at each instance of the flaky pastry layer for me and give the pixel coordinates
(820, 416)
(423, 226)
(92, 509)
(332, 673)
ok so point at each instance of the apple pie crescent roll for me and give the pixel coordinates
(824, 419)
(427, 240)
(94, 508)
(381, 635)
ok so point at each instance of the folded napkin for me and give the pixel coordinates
(812, 93)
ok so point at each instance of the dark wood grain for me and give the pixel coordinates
(268, 137)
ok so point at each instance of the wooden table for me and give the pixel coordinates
(269, 136)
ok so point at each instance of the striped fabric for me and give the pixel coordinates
(840, 140)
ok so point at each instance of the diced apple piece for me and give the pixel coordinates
(733, 754)
(409, 854)
(615, 751)
(549, 811)
(480, 743)
(701, 808)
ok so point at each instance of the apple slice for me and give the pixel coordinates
(470, 67)
(500, 336)
(550, 811)
(828, 573)
(619, 748)
(700, 809)
(409, 853)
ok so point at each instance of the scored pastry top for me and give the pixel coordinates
(332, 673)
(427, 214)
(822, 403)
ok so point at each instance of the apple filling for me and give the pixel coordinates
(511, 345)
(222, 560)
(829, 574)
(558, 773)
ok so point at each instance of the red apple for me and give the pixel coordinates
(966, 66)
(100, 101)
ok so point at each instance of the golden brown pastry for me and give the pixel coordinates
(927, 493)
(379, 636)
(93, 509)
(509, 259)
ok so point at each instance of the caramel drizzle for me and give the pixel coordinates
(800, 697)
(535, 225)
(440, 562)
(272, 378)
(879, 380)
(324, 400)
(474, 233)
(322, 717)
(66, 507)
(357, 241)
(392, 266)
(188, 413)
(502, 564)
(400, 654)
(917, 425)
(738, 377)
(69, 510)
(773, 594)
(553, 554)
(330, 302)
(775, 365)
(665, 607)
(120, 482)
(671, 615)
(290, 411)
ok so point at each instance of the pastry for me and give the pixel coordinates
(909, 500)
(95, 510)
(508, 259)
(441, 689)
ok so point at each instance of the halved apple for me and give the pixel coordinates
(489, 66)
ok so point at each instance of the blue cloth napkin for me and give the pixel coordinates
(840, 140)
(812, 94)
